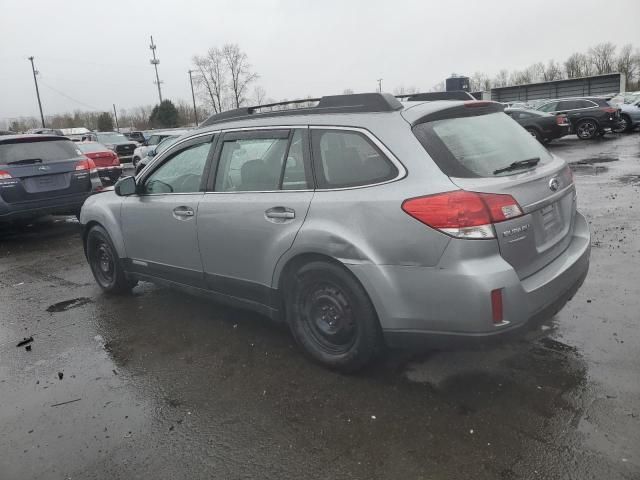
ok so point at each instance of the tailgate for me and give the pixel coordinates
(548, 200)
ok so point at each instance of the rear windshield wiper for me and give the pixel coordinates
(530, 162)
(25, 161)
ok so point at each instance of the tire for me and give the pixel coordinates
(534, 133)
(625, 124)
(587, 129)
(105, 264)
(331, 316)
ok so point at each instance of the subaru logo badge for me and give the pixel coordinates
(554, 184)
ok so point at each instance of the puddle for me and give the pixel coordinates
(68, 304)
(598, 159)
(587, 168)
(629, 178)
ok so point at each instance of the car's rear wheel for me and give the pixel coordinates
(534, 133)
(331, 316)
(587, 129)
(105, 264)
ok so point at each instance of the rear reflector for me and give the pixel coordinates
(4, 175)
(496, 305)
(463, 214)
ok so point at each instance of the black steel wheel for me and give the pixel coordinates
(331, 316)
(105, 264)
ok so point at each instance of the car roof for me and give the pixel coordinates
(36, 136)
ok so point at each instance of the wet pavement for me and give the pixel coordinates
(161, 385)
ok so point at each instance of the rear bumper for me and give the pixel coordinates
(451, 302)
(68, 204)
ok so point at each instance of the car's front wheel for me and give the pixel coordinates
(624, 125)
(534, 133)
(331, 316)
(105, 264)
(587, 129)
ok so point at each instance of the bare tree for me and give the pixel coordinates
(258, 95)
(402, 90)
(602, 57)
(628, 62)
(501, 79)
(239, 72)
(552, 71)
(536, 72)
(347, 91)
(211, 79)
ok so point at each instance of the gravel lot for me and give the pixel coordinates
(161, 385)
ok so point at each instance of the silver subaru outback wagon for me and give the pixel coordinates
(360, 222)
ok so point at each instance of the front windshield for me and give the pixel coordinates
(112, 138)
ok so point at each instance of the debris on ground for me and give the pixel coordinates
(68, 401)
(60, 375)
(28, 348)
(24, 341)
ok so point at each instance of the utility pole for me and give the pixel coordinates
(380, 85)
(193, 95)
(35, 80)
(155, 61)
(116, 117)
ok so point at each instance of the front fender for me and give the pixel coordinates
(104, 209)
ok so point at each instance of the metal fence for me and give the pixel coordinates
(574, 87)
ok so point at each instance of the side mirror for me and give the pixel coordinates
(125, 186)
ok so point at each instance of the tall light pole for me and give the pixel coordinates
(380, 85)
(115, 115)
(35, 80)
(155, 61)
(193, 95)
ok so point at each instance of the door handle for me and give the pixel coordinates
(280, 213)
(183, 212)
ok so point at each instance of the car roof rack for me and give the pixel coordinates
(353, 103)
(433, 96)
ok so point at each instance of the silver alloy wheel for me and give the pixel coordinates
(587, 129)
(622, 125)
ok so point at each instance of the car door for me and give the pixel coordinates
(253, 209)
(159, 222)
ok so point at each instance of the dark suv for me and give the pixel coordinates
(589, 116)
(43, 174)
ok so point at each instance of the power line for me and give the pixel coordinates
(75, 100)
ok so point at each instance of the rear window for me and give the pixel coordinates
(91, 147)
(38, 151)
(477, 146)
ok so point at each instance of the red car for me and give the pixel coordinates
(106, 160)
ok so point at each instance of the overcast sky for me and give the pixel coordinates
(91, 56)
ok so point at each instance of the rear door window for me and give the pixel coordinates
(42, 151)
(569, 105)
(345, 158)
(477, 146)
(263, 161)
(549, 107)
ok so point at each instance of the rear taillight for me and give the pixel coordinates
(463, 214)
(4, 175)
(86, 164)
(115, 160)
(610, 109)
(561, 120)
